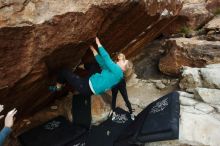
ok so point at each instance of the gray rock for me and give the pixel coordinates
(204, 108)
(216, 116)
(187, 101)
(201, 128)
(211, 96)
(200, 77)
(217, 107)
(191, 109)
(186, 94)
(190, 78)
(213, 65)
(211, 77)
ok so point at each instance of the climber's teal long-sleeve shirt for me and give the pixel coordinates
(111, 73)
(3, 134)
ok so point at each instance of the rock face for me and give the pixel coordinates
(200, 117)
(198, 126)
(38, 37)
(196, 13)
(213, 5)
(188, 52)
(193, 15)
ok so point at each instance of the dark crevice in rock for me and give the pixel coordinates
(6, 5)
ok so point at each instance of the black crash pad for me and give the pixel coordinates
(158, 121)
(107, 132)
(56, 132)
(81, 110)
(80, 141)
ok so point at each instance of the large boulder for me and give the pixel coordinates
(199, 121)
(188, 52)
(38, 37)
(196, 13)
(200, 77)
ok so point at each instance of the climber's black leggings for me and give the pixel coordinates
(78, 83)
(121, 86)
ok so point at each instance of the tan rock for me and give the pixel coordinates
(100, 110)
(214, 24)
(188, 52)
(196, 13)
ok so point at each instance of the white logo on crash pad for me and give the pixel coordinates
(119, 118)
(160, 106)
(52, 125)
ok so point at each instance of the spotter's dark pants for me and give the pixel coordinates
(78, 83)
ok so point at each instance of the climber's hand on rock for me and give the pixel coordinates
(9, 119)
(93, 50)
(1, 108)
(98, 42)
(1, 116)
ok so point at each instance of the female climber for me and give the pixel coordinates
(97, 83)
(121, 86)
(127, 67)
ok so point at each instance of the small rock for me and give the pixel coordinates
(54, 107)
(160, 85)
(174, 82)
(204, 107)
(165, 81)
(190, 78)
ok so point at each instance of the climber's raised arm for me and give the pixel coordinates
(98, 57)
(106, 57)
